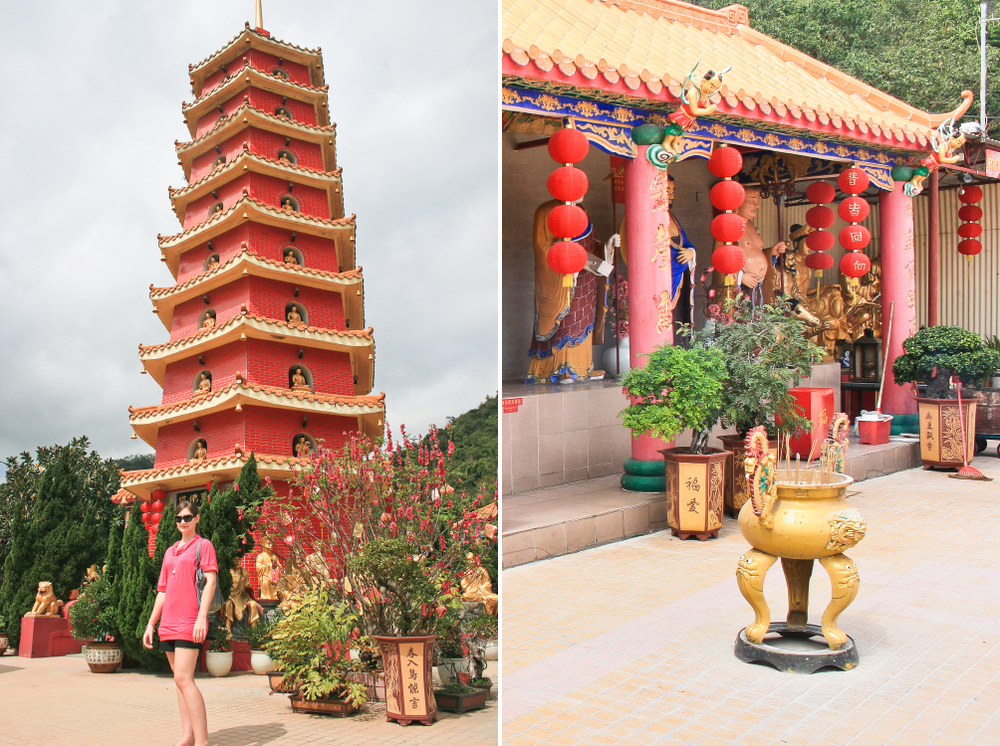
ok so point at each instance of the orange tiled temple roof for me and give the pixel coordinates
(651, 45)
(247, 68)
(267, 39)
(337, 173)
(222, 121)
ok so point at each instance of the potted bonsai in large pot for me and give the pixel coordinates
(311, 646)
(682, 389)
(933, 356)
(93, 618)
(767, 353)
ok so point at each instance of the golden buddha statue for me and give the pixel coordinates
(201, 452)
(289, 587)
(284, 159)
(209, 321)
(477, 586)
(293, 316)
(204, 385)
(299, 381)
(287, 206)
(268, 571)
(240, 603)
(290, 257)
(213, 263)
(302, 448)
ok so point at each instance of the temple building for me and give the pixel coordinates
(607, 68)
(268, 351)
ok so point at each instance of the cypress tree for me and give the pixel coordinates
(64, 537)
(137, 594)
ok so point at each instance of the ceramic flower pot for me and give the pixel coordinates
(408, 662)
(493, 650)
(695, 488)
(941, 431)
(261, 662)
(450, 668)
(103, 657)
(219, 664)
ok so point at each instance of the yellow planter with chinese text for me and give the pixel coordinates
(695, 490)
(941, 431)
(409, 692)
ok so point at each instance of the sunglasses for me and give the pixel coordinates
(183, 518)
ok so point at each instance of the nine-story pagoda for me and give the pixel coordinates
(268, 350)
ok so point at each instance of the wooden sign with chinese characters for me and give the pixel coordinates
(412, 659)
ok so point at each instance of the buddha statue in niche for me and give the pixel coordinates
(293, 316)
(213, 263)
(209, 321)
(290, 257)
(302, 448)
(287, 206)
(204, 385)
(299, 382)
(201, 452)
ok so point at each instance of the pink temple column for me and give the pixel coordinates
(647, 236)
(899, 286)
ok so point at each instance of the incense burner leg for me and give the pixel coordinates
(797, 574)
(844, 581)
(750, 572)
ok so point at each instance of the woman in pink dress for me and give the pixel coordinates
(183, 622)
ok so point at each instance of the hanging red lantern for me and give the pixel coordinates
(145, 517)
(568, 145)
(567, 221)
(855, 264)
(853, 210)
(728, 259)
(158, 495)
(855, 237)
(970, 194)
(566, 257)
(819, 261)
(210, 485)
(970, 230)
(821, 193)
(969, 247)
(727, 195)
(819, 217)
(144, 506)
(971, 213)
(853, 181)
(568, 184)
(725, 162)
(728, 227)
(820, 241)
(158, 506)
(154, 518)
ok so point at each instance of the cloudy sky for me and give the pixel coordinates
(91, 100)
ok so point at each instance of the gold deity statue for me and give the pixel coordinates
(299, 380)
(240, 604)
(213, 262)
(209, 321)
(205, 384)
(302, 448)
(268, 571)
(477, 586)
(201, 452)
(290, 257)
(293, 316)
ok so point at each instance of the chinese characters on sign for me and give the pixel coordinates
(413, 663)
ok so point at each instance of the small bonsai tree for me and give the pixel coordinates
(677, 390)
(936, 353)
(766, 353)
(93, 615)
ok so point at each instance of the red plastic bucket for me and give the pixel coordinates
(874, 432)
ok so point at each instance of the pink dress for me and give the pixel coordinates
(177, 580)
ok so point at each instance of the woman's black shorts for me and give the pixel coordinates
(168, 646)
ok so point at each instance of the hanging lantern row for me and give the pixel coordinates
(567, 184)
(819, 241)
(970, 214)
(854, 237)
(152, 510)
(727, 228)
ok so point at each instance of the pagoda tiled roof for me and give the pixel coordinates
(247, 106)
(643, 49)
(247, 154)
(343, 334)
(165, 241)
(318, 52)
(246, 254)
(234, 78)
(350, 405)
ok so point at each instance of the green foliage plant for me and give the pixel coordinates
(311, 646)
(766, 354)
(259, 634)
(678, 389)
(136, 588)
(53, 539)
(222, 641)
(374, 524)
(93, 616)
(936, 353)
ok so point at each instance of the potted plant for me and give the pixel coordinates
(257, 637)
(451, 653)
(3, 635)
(92, 618)
(219, 658)
(483, 630)
(678, 389)
(458, 697)
(932, 357)
(310, 645)
(767, 353)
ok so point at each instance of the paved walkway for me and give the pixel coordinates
(632, 642)
(49, 701)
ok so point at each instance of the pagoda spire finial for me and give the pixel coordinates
(260, 16)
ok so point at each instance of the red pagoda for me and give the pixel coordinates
(268, 350)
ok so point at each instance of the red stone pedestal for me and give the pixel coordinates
(47, 637)
(817, 405)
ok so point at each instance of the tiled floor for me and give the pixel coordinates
(632, 642)
(57, 701)
(566, 518)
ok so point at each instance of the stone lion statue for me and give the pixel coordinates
(46, 603)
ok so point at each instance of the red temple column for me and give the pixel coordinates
(898, 288)
(647, 236)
